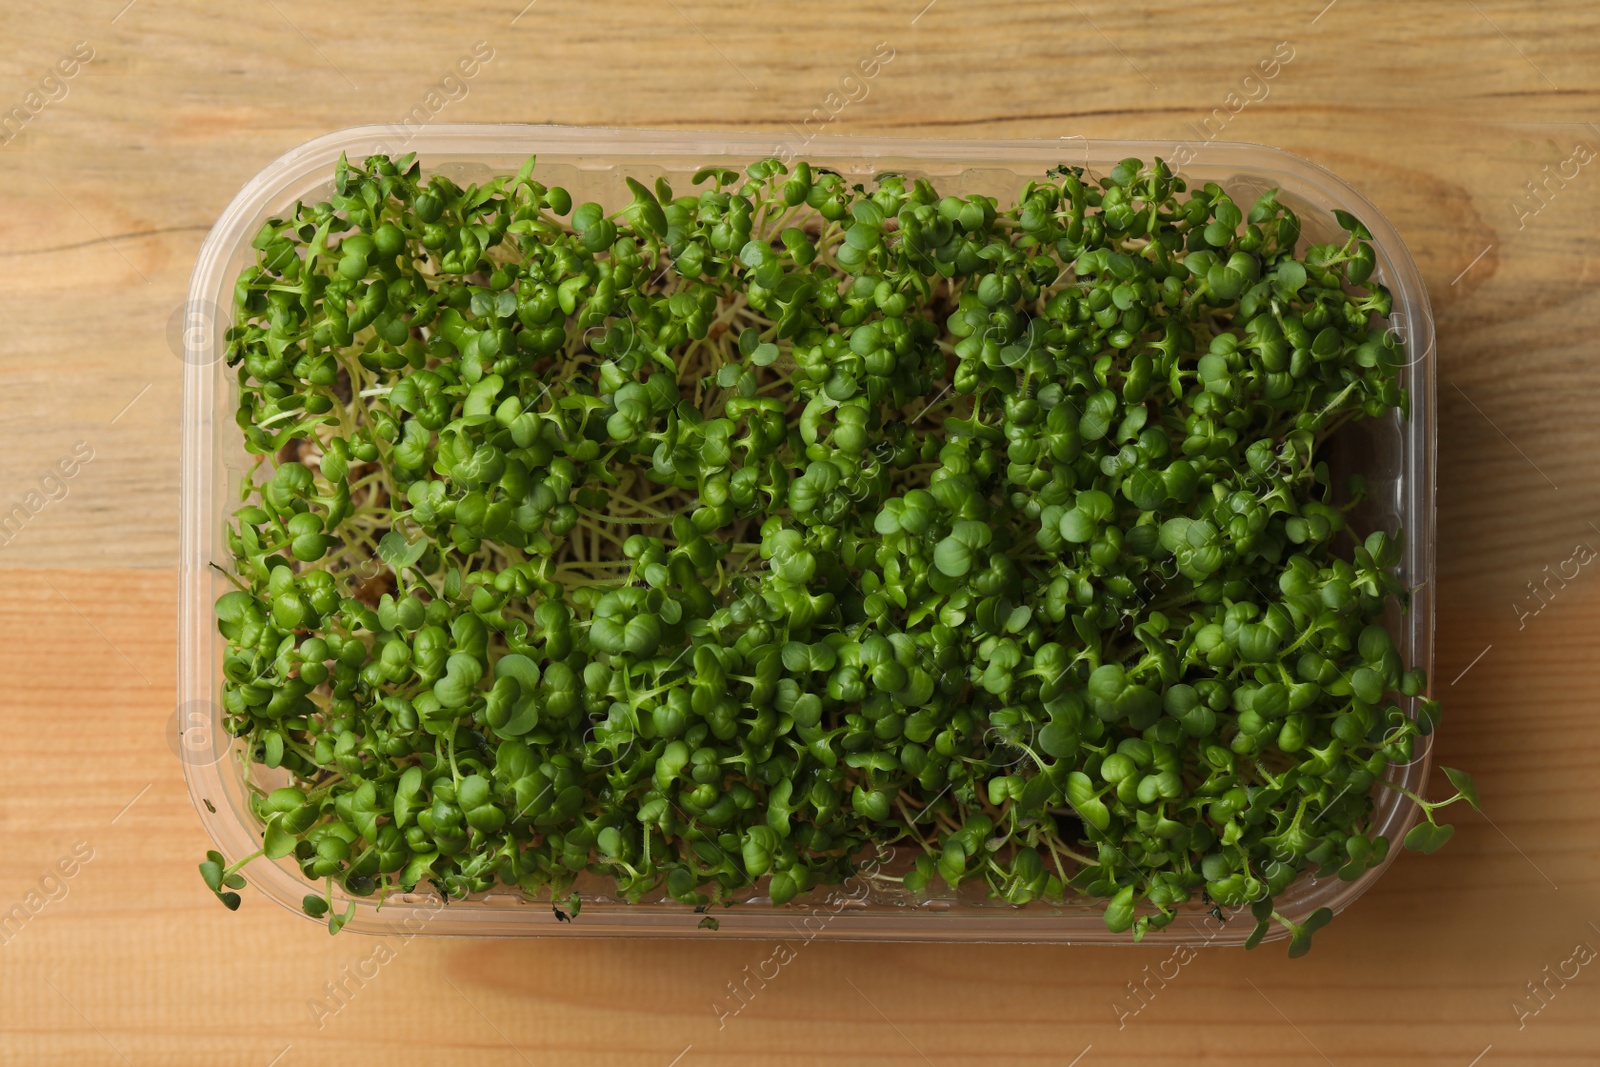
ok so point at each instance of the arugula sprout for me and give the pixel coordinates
(702, 545)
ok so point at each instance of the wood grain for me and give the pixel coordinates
(1439, 111)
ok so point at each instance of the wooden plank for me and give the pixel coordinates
(1440, 112)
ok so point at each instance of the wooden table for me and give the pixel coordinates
(1440, 111)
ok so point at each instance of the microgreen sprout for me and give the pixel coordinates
(702, 545)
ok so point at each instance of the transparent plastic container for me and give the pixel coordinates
(1395, 454)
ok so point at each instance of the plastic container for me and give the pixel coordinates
(1396, 455)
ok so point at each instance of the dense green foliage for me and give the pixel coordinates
(704, 545)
